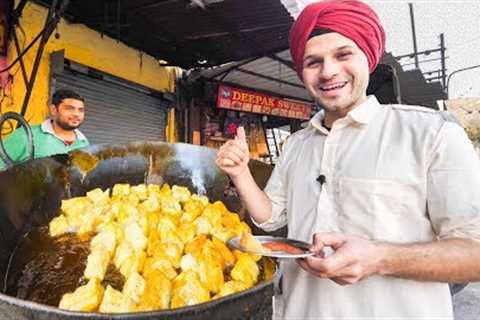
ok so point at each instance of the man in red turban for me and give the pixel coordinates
(350, 18)
(388, 194)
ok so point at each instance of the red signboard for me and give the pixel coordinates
(250, 101)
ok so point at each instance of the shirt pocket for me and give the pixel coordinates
(383, 210)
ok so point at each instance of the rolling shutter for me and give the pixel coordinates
(116, 112)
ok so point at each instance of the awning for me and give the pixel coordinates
(189, 33)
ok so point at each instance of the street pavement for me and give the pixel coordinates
(466, 303)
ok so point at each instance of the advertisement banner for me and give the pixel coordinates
(250, 101)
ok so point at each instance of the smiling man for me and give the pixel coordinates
(57, 134)
(392, 189)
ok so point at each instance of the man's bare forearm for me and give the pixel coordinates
(449, 260)
(256, 201)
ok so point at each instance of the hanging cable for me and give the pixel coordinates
(37, 37)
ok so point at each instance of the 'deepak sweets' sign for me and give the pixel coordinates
(250, 101)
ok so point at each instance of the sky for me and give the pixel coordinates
(458, 20)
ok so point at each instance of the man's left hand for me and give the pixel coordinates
(353, 260)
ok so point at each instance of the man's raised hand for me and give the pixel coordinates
(234, 155)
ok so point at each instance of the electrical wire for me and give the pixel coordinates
(37, 37)
(22, 46)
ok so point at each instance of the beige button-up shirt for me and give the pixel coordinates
(394, 173)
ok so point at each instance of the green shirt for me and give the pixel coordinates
(45, 142)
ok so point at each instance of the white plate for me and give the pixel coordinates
(235, 243)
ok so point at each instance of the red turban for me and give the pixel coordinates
(350, 18)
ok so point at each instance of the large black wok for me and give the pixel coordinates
(31, 193)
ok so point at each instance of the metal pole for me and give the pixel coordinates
(444, 69)
(277, 152)
(457, 71)
(266, 141)
(450, 76)
(412, 20)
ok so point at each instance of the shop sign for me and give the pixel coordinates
(250, 101)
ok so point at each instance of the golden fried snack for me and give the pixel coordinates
(169, 245)
(85, 298)
(115, 302)
(250, 244)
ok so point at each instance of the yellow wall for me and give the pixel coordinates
(84, 46)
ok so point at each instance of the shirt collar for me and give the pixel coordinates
(361, 114)
(48, 128)
(365, 111)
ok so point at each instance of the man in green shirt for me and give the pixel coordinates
(57, 134)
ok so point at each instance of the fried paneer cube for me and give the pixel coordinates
(241, 228)
(58, 226)
(140, 191)
(202, 199)
(134, 287)
(189, 262)
(115, 302)
(167, 231)
(187, 290)
(192, 209)
(227, 255)
(214, 215)
(173, 251)
(245, 270)
(238, 254)
(181, 194)
(134, 235)
(106, 219)
(187, 231)
(203, 225)
(165, 190)
(166, 224)
(224, 234)
(134, 263)
(85, 298)
(153, 189)
(127, 212)
(97, 263)
(151, 204)
(157, 293)
(170, 206)
(124, 250)
(97, 196)
(89, 222)
(161, 264)
(120, 190)
(210, 275)
(208, 267)
(230, 220)
(75, 206)
(154, 244)
(132, 199)
(221, 206)
(230, 287)
(196, 244)
(211, 254)
(106, 238)
(152, 219)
